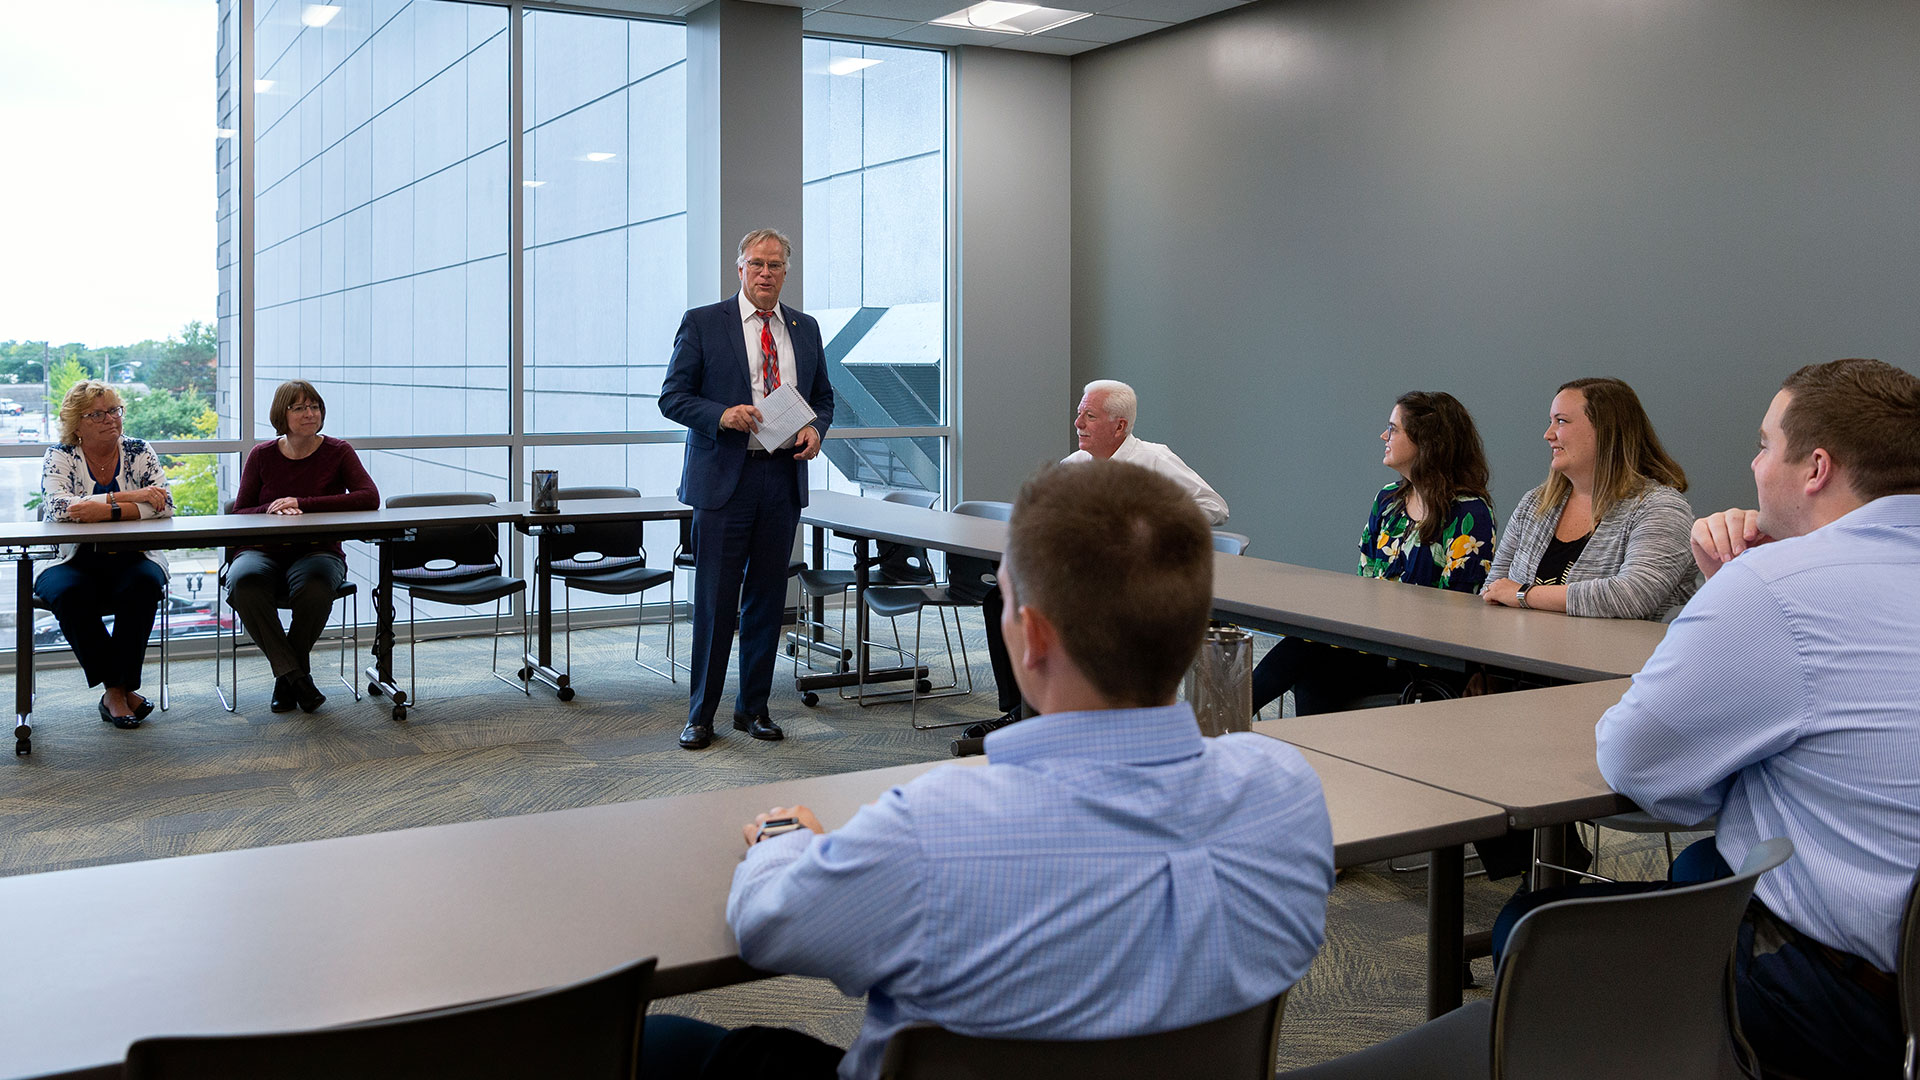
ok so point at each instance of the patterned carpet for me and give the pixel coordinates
(197, 778)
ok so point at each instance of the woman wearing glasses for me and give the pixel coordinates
(95, 474)
(300, 472)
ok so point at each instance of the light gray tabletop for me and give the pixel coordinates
(1531, 753)
(644, 508)
(211, 529)
(332, 931)
(1345, 609)
(878, 519)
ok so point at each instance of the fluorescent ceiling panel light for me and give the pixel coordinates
(847, 65)
(318, 14)
(262, 86)
(1007, 18)
(531, 183)
(599, 155)
(224, 133)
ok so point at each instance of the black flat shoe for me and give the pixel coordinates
(758, 725)
(144, 709)
(283, 699)
(696, 736)
(125, 723)
(307, 694)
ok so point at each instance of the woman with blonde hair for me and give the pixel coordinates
(94, 474)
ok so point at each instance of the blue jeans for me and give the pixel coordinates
(682, 1048)
(1799, 1008)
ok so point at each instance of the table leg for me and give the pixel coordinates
(863, 670)
(23, 657)
(540, 665)
(817, 632)
(1446, 927)
(380, 675)
(1549, 846)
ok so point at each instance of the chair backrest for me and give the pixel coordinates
(597, 545)
(590, 1029)
(1237, 1047)
(981, 508)
(969, 578)
(1232, 543)
(466, 550)
(1908, 974)
(922, 499)
(1634, 985)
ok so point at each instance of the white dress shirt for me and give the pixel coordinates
(1156, 456)
(782, 346)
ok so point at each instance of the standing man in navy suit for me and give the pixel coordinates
(746, 501)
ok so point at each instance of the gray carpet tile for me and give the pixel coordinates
(198, 779)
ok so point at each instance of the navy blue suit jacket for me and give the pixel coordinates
(708, 375)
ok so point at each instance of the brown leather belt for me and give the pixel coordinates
(1864, 975)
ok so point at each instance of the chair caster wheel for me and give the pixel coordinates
(373, 689)
(399, 712)
(565, 693)
(842, 668)
(22, 745)
(809, 699)
(924, 686)
(523, 674)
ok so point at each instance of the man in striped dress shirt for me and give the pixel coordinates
(1783, 700)
(1109, 873)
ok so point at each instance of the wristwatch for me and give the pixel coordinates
(113, 505)
(1521, 596)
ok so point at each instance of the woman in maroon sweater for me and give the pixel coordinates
(301, 472)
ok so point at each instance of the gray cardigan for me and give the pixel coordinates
(1637, 564)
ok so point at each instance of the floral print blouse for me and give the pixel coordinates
(1457, 559)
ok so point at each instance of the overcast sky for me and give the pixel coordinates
(106, 169)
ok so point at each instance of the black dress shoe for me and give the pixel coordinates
(144, 709)
(696, 736)
(307, 694)
(758, 725)
(986, 727)
(122, 722)
(283, 699)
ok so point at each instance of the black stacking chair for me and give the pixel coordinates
(815, 584)
(1237, 1047)
(226, 635)
(608, 558)
(1600, 988)
(458, 565)
(589, 1030)
(1908, 975)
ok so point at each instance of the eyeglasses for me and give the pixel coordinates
(757, 265)
(308, 407)
(98, 415)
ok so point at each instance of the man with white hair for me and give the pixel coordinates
(1104, 425)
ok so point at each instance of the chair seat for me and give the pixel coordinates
(894, 601)
(346, 589)
(479, 590)
(632, 579)
(441, 576)
(597, 566)
(826, 582)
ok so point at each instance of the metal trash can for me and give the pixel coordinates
(1220, 684)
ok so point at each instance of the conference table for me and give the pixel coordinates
(332, 931)
(25, 542)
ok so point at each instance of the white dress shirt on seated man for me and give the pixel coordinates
(1104, 427)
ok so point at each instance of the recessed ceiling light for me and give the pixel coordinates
(1002, 17)
(847, 65)
(318, 14)
(262, 86)
(531, 183)
(599, 155)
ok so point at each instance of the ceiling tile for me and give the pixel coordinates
(905, 10)
(1047, 43)
(835, 22)
(951, 35)
(1105, 28)
(1167, 10)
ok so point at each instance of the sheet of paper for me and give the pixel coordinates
(783, 413)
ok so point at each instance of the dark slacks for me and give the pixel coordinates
(1802, 1008)
(682, 1048)
(255, 582)
(1322, 678)
(991, 605)
(92, 585)
(741, 552)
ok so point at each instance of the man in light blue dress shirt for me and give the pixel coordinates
(1110, 872)
(1786, 700)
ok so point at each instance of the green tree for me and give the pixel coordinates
(66, 371)
(163, 414)
(192, 480)
(186, 362)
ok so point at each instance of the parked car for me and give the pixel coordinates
(184, 617)
(10, 407)
(27, 433)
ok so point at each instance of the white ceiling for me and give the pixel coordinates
(907, 21)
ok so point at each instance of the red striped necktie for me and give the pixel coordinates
(769, 357)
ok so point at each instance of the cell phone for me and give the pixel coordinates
(775, 826)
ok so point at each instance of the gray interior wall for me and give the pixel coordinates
(1287, 215)
(1014, 266)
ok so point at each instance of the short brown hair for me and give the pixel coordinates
(1627, 453)
(287, 396)
(1120, 560)
(80, 398)
(1866, 414)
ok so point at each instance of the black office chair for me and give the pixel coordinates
(1908, 976)
(1601, 988)
(453, 564)
(589, 1030)
(226, 632)
(809, 635)
(608, 558)
(1237, 1047)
